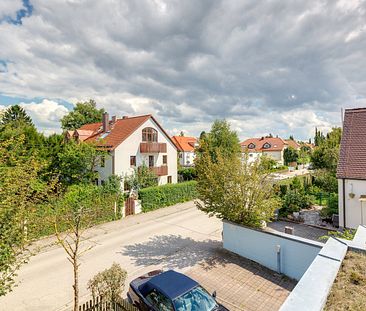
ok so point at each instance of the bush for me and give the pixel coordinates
(294, 201)
(332, 206)
(160, 196)
(187, 173)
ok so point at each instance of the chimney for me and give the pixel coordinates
(114, 119)
(105, 122)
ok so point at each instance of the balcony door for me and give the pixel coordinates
(151, 161)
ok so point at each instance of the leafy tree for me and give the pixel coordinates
(21, 189)
(235, 190)
(187, 173)
(109, 283)
(221, 139)
(16, 116)
(294, 201)
(267, 163)
(83, 113)
(142, 177)
(76, 162)
(290, 155)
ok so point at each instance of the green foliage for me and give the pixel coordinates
(235, 190)
(267, 163)
(160, 196)
(187, 173)
(326, 180)
(221, 139)
(347, 234)
(109, 283)
(83, 113)
(76, 162)
(290, 155)
(332, 206)
(142, 178)
(15, 116)
(294, 201)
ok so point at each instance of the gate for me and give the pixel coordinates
(129, 206)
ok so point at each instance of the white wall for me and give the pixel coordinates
(296, 253)
(275, 155)
(187, 158)
(354, 217)
(106, 171)
(131, 147)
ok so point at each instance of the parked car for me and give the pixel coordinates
(170, 291)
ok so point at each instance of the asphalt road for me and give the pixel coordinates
(176, 237)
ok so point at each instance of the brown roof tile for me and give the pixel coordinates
(276, 144)
(352, 158)
(184, 143)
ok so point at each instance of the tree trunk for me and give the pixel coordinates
(76, 283)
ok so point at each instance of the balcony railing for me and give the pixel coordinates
(160, 170)
(152, 147)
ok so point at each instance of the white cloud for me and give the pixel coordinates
(46, 115)
(9, 8)
(190, 63)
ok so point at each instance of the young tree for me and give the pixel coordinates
(83, 113)
(15, 115)
(235, 190)
(74, 213)
(290, 155)
(109, 283)
(142, 177)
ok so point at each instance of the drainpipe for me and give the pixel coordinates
(278, 251)
(344, 202)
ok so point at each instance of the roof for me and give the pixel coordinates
(184, 143)
(352, 157)
(292, 143)
(275, 144)
(172, 284)
(119, 131)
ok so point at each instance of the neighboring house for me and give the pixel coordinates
(273, 147)
(293, 144)
(351, 170)
(131, 142)
(185, 146)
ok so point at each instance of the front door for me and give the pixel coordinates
(151, 161)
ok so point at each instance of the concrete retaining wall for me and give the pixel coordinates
(296, 254)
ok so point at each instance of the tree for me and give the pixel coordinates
(181, 134)
(142, 177)
(220, 139)
(76, 162)
(83, 113)
(291, 137)
(16, 116)
(290, 155)
(109, 283)
(235, 190)
(74, 213)
(21, 189)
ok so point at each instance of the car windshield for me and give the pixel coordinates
(196, 299)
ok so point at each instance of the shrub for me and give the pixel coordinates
(109, 283)
(187, 173)
(294, 201)
(160, 196)
(332, 206)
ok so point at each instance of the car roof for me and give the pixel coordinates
(170, 283)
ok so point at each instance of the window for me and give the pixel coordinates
(132, 160)
(165, 159)
(96, 181)
(151, 161)
(251, 146)
(149, 134)
(159, 301)
(180, 155)
(169, 179)
(102, 161)
(266, 146)
(126, 186)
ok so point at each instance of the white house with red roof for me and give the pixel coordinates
(273, 147)
(185, 146)
(130, 143)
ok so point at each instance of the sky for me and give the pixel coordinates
(277, 66)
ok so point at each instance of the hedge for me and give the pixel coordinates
(160, 196)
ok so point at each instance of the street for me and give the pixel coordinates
(176, 237)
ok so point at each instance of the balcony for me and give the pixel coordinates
(152, 147)
(160, 170)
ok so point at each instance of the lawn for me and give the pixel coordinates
(349, 289)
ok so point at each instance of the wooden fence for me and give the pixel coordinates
(99, 304)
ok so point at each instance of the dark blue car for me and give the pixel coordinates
(170, 291)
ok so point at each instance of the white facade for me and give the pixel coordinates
(186, 158)
(275, 155)
(118, 162)
(355, 209)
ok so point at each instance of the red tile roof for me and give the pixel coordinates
(292, 143)
(184, 143)
(352, 158)
(119, 131)
(275, 144)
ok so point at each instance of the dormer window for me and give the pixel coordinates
(149, 134)
(266, 146)
(251, 146)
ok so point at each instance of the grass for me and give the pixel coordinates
(349, 289)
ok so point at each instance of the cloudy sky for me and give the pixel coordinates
(275, 66)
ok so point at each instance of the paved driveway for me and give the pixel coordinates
(178, 237)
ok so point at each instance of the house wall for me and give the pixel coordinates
(187, 158)
(131, 147)
(355, 215)
(275, 155)
(252, 156)
(296, 254)
(107, 170)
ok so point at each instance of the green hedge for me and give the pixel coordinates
(160, 196)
